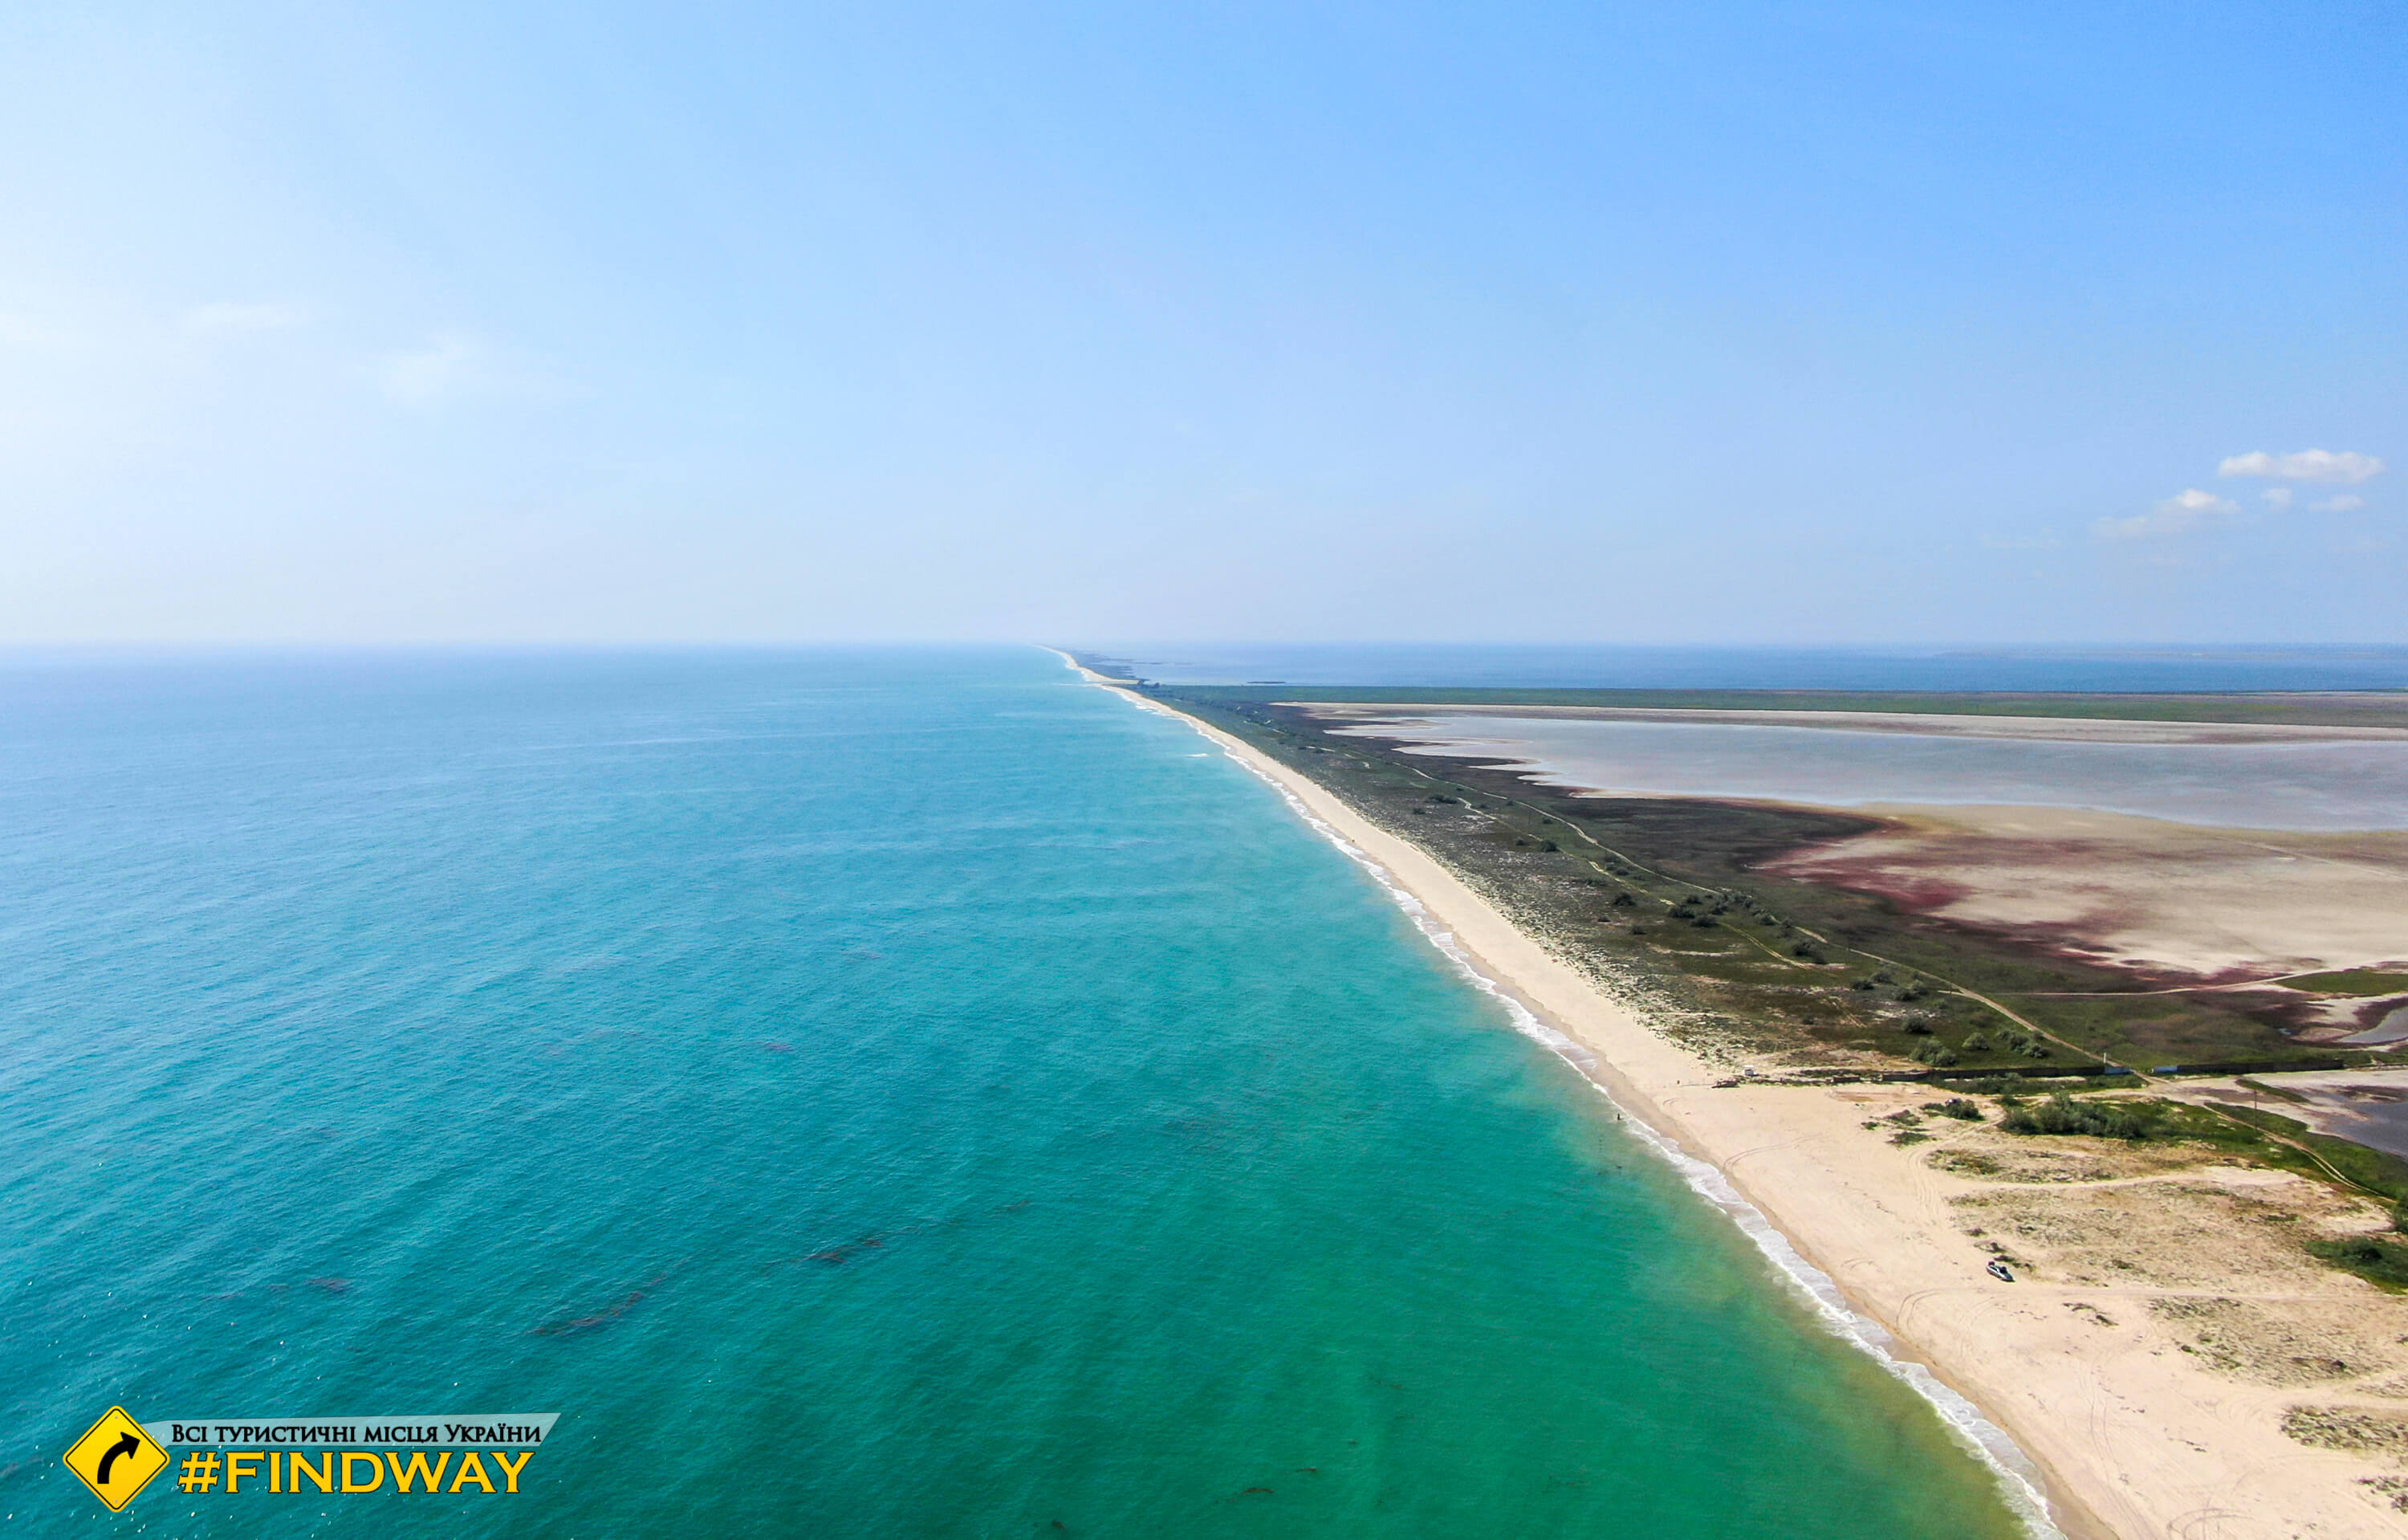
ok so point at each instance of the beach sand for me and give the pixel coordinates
(2135, 1431)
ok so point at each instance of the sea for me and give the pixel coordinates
(876, 1093)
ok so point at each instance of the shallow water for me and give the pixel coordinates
(877, 1094)
(2350, 785)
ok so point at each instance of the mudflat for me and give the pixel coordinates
(2219, 905)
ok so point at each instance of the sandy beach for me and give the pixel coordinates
(2093, 1361)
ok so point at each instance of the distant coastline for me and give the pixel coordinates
(1654, 1081)
(2123, 1442)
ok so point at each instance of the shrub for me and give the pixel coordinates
(1956, 1107)
(2378, 1261)
(2061, 1114)
(1918, 1027)
(2001, 1086)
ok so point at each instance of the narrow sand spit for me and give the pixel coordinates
(2134, 1432)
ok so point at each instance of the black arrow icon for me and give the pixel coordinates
(126, 1443)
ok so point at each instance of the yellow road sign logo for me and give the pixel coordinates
(116, 1459)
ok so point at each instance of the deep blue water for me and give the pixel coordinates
(871, 1094)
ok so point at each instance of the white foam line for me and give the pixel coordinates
(2018, 1479)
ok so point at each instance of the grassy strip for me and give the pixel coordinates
(2380, 1259)
(2363, 1167)
(2367, 981)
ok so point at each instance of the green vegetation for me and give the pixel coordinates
(2233, 1133)
(2370, 1169)
(2378, 1259)
(2061, 1114)
(2365, 982)
(2277, 1092)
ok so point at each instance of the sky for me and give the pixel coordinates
(1677, 322)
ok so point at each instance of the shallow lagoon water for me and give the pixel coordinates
(2296, 785)
(1560, 666)
(898, 1094)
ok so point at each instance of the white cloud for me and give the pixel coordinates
(230, 318)
(2309, 464)
(2184, 514)
(2277, 498)
(2347, 503)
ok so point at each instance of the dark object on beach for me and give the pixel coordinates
(1998, 1270)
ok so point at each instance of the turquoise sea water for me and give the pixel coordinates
(889, 1094)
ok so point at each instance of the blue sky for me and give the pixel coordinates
(1664, 322)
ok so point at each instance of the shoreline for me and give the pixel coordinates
(2130, 1432)
(1640, 1073)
